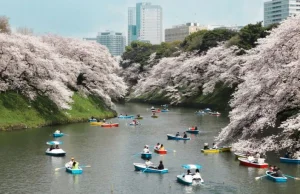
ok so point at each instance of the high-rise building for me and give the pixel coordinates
(147, 26)
(178, 33)
(276, 11)
(114, 41)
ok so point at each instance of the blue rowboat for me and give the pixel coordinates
(58, 134)
(142, 167)
(274, 178)
(173, 137)
(74, 171)
(165, 110)
(92, 120)
(125, 117)
(192, 131)
(146, 155)
(289, 160)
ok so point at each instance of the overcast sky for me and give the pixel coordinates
(84, 18)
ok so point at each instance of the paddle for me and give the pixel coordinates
(57, 169)
(257, 178)
(296, 178)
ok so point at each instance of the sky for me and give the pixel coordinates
(85, 18)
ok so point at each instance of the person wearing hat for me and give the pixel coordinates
(70, 164)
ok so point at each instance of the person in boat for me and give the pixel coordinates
(177, 134)
(157, 146)
(214, 146)
(134, 122)
(57, 131)
(51, 147)
(162, 148)
(121, 114)
(75, 165)
(197, 175)
(205, 146)
(126, 115)
(148, 163)
(196, 128)
(153, 114)
(188, 175)
(257, 156)
(278, 173)
(56, 147)
(138, 116)
(104, 121)
(146, 149)
(184, 135)
(152, 108)
(161, 165)
(70, 164)
(271, 168)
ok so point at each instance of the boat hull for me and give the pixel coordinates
(143, 168)
(289, 160)
(173, 137)
(55, 152)
(160, 151)
(92, 120)
(192, 131)
(246, 162)
(146, 155)
(74, 171)
(182, 180)
(126, 117)
(164, 110)
(154, 116)
(110, 125)
(138, 118)
(58, 134)
(274, 178)
(210, 151)
(96, 123)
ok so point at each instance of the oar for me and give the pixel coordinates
(57, 169)
(87, 166)
(296, 178)
(258, 177)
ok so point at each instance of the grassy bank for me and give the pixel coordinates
(17, 112)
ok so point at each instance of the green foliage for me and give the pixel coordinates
(206, 39)
(248, 36)
(16, 111)
(167, 49)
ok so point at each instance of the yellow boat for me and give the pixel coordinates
(96, 123)
(210, 151)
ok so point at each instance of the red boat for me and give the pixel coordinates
(110, 125)
(259, 164)
(156, 111)
(160, 151)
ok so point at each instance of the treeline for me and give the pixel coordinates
(201, 41)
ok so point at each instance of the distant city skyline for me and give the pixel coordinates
(77, 18)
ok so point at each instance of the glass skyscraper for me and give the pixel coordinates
(146, 26)
(114, 41)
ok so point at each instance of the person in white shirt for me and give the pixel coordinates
(215, 146)
(296, 154)
(148, 163)
(70, 164)
(197, 175)
(188, 176)
(146, 149)
(57, 131)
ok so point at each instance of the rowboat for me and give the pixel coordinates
(93, 120)
(222, 149)
(192, 131)
(189, 179)
(110, 125)
(146, 155)
(207, 110)
(138, 117)
(134, 124)
(271, 176)
(125, 117)
(160, 151)
(96, 123)
(156, 111)
(251, 163)
(58, 134)
(240, 155)
(73, 171)
(154, 116)
(142, 167)
(173, 137)
(289, 160)
(53, 151)
(165, 110)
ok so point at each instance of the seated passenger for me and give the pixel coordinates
(75, 165)
(157, 146)
(161, 148)
(177, 134)
(184, 135)
(278, 173)
(196, 128)
(160, 166)
(214, 146)
(70, 164)
(146, 150)
(197, 175)
(148, 163)
(296, 154)
(51, 147)
(56, 147)
(205, 146)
